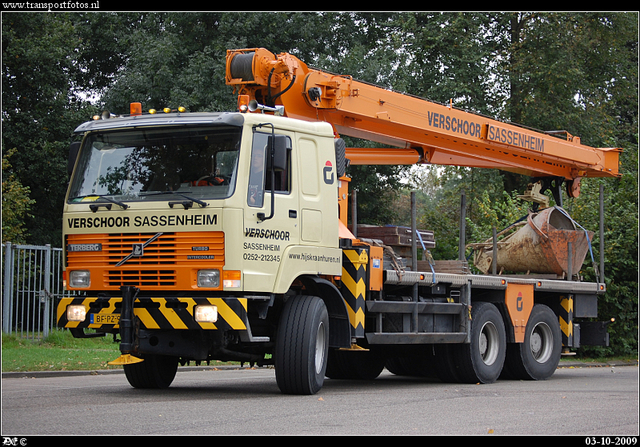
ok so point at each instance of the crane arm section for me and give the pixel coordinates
(420, 131)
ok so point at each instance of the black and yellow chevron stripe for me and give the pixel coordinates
(157, 313)
(354, 286)
(566, 319)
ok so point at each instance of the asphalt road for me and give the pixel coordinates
(575, 401)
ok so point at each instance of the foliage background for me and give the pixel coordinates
(573, 71)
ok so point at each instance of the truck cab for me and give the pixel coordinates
(203, 221)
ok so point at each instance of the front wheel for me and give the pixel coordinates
(538, 357)
(302, 345)
(156, 371)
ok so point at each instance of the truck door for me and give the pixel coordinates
(311, 204)
(265, 239)
(318, 204)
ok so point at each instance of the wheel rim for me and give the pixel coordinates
(320, 340)
(489, 345)
(541, 342)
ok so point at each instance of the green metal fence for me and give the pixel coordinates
(31, 286)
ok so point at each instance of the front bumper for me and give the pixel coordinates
(164, 313)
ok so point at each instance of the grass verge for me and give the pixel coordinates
(58, 352)
(61, 352)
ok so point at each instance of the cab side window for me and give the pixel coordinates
(260, 175)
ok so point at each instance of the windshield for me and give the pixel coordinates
(145, 163)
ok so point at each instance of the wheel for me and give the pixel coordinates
(354, 365)
(341, 162)
(397, 366)
(445, 365)
(302, 345)
(156, 371)
(481, 360)
(538, 357)
(421, 363)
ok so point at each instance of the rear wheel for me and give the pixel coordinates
(302, 345)
(481, 360)
(156, 371)
(538, 357)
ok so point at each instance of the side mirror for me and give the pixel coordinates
(278, 146)
(74, 147)
(281, 146)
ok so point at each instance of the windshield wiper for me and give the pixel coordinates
(94, 206)
(185, 204)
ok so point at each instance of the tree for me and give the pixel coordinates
(554, 71)
(40, 110)
(15, 204)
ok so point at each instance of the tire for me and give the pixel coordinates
(481, 360)
(445, 364)
(156, 371)
(538, 357)
(421, 363)
(354, 365)
(302, 345)
(397, 366)
(341, 162)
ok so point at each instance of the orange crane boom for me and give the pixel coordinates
(420, 131)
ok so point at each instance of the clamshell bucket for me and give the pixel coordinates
(540, 245)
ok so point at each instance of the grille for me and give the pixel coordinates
(167, 262)
(166, 278)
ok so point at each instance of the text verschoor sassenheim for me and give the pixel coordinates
(142, 221)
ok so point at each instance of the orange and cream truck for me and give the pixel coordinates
(199, 236)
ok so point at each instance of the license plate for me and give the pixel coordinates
(104, 318)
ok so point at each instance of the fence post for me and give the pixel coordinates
(47, 292)
(6, 293)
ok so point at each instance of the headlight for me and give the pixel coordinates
(208, 278)
(79, 278)
(206, 314)
(76, 313)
